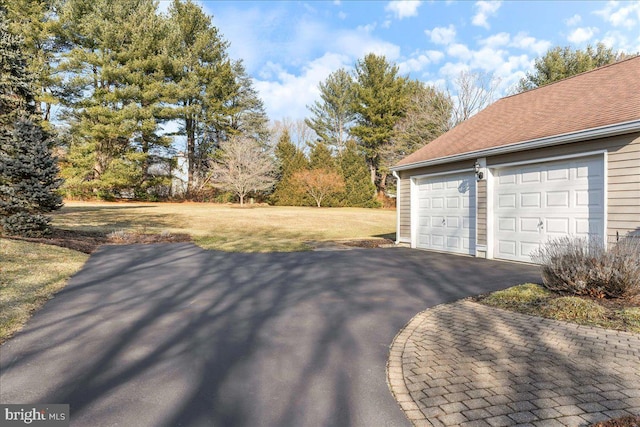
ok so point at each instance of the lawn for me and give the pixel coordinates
(31, 272)
(231, 228)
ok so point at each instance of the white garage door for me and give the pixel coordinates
(446, 213)
(538, 202)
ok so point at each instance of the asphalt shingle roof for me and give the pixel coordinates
(605, 96)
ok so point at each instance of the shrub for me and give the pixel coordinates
(25, 224)
(584, 267)
(573, 308)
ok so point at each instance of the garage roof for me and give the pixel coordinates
(605, 96)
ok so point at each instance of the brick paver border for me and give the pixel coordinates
(470, 365)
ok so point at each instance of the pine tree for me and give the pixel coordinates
(381, 97)
(28, 172)
(291, 160)
(115, 93)
(202, 78)
(562, 62)
(333, 115)
(359, 191)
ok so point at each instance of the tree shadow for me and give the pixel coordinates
(171, 334)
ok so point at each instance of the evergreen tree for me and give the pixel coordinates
(35, 23)
(333, 115)
(320, 156)
(290, 160)
(380, 102)
(562, 62)
(114, 94)
(359, 191)
(202, 77)
(28, 172)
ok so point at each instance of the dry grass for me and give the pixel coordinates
(230, 228)
(30, 273)
(619, 314)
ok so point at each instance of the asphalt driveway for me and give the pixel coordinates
(172, 335)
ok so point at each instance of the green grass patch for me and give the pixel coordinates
(575, 309)
(532, 299)
(231, 228)
(30, 274)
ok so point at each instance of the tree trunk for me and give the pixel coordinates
(191, 154)
(241, 200)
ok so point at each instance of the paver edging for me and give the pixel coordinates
(395, 369)
(403, 361)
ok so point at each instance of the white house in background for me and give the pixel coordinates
(563, 159)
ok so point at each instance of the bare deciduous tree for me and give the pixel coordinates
(318, 183)
(243, 166)
(474, 91)
(301, 134)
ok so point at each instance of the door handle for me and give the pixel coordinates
(444, 222)
(541, 225)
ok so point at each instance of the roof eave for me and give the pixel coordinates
(583, 135)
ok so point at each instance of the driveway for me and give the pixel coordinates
(172, 335)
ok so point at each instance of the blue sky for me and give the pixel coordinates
(289, 47)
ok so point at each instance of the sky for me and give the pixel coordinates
(288, 47)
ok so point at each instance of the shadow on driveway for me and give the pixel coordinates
(172, 335)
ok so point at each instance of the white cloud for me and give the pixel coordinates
(442, 35)
(403, 8)
(573, 21)
(287, 95)
(625, 14)
(420, 60)
(342, 15)
(582, 34)
(367, 28)
(525, 42)
(459, 51)
(620, 42)
(496, 40)
(485, 9)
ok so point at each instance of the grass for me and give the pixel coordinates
(230, 228)
(623, 315)
(30, 274)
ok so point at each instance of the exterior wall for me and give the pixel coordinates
(481, 214)
(623, 175)
(404, 207)
(623, 183)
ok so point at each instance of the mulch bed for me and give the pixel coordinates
(88, 242)
(373, 243)
(631, 421)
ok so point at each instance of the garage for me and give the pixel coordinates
(445, 211)
(537, 202)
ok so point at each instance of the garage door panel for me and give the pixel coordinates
(552, 199)
(437, 203)
(530, 176)
(558, 225)
(506, 247)
(507, 200)
(528, 247)
(507, 224)
(530, 225)
(558, 199)
(453, 222)
(558, 174)
(449, 204)
(530, 200)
